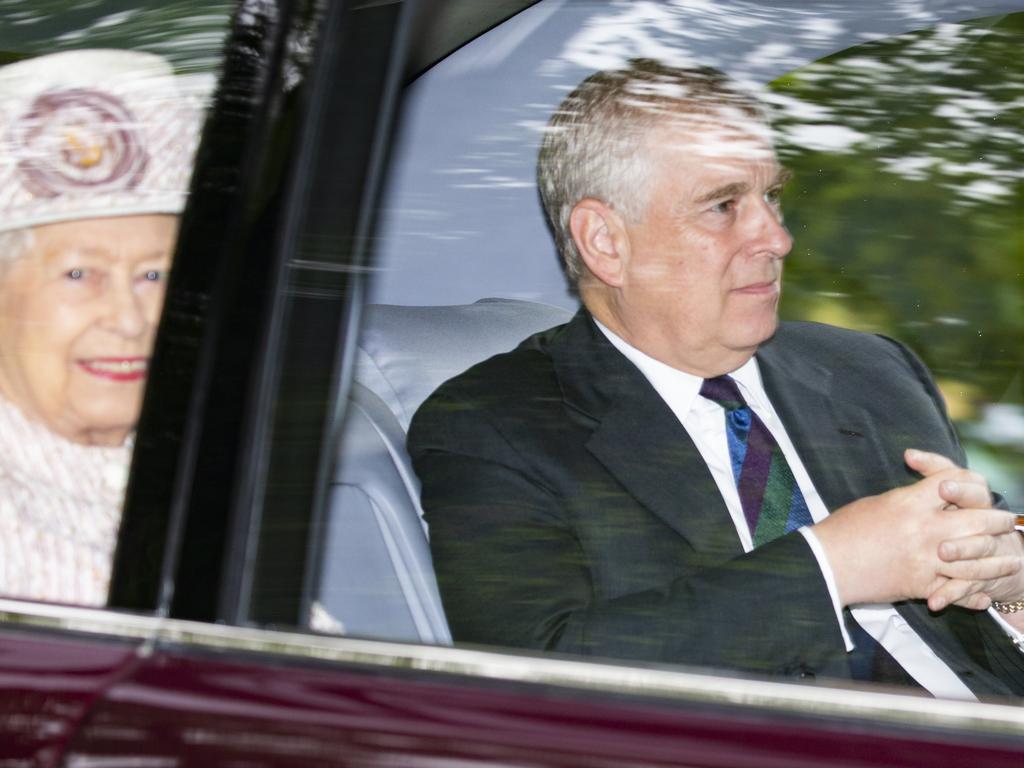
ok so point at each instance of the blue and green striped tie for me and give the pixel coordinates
(771, 499)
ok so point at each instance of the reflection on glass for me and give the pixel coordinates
(906, 210)
(188, 33)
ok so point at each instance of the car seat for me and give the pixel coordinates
(376, 576)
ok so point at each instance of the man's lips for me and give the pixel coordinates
(115, 368)
(767, 287)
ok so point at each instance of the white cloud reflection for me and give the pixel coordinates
(844, 107)
(827, 138)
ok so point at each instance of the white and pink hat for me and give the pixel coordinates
(94, 133)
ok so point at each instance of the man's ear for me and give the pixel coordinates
(600, 237)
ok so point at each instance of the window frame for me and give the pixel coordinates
(196, 495)
(750, 721)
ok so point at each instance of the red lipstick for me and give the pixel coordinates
(116, 368)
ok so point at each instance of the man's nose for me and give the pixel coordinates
(768, 232)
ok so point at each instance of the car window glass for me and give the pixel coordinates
(101, 106)
(902, 131)
(906, 209)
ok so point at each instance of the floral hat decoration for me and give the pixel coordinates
(96, 132)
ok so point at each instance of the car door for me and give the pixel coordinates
(219, 645)
(50, 676)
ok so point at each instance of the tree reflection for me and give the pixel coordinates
(189, 33)
(907, 212)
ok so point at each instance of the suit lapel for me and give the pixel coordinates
(843, 451)
(638, 439)
(836, 439)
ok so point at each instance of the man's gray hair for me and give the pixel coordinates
(594, 145)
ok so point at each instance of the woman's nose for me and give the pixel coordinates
(126, 314)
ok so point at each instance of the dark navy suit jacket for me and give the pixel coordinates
(569, 510)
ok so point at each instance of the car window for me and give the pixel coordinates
(902, 132)
(102, 106)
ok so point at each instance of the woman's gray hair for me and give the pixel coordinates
(15, 243)
(594, 144)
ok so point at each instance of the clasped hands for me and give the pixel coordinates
(938, 539)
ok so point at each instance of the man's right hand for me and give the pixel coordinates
(886, 548)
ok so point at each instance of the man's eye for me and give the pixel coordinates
(773, 196)
(726, 206)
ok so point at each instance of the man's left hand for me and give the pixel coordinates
(967, 563)
(967, 586)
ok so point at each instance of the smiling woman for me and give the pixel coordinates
(80, 310)
(96, 155)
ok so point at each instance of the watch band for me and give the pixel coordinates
(1014, 607)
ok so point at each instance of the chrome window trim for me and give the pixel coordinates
(849, 703)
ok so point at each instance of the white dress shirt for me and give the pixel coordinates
(703, 420)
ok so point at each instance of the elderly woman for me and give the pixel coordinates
(96, 151)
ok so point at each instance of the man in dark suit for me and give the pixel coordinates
(654, 479)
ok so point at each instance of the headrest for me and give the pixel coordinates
(405, 353)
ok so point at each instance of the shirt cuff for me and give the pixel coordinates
(1011, 631)
(830, 582)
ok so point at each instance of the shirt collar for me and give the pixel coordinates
(679, 389)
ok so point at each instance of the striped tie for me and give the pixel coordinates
(773, 505)
(771, 499)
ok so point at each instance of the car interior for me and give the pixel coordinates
(462, 187)
(378, 580)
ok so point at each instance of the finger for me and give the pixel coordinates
(956, 592)
(934, 585)
(968, 548)
(984, 569)
(998, 522)
(974, 522)
(979, 601)
(926, 463)
(965, 494)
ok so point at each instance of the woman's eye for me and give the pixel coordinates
(75, 274)
(152, 275)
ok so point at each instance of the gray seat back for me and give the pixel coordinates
(376, 577)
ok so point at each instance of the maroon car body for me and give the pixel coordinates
(119, 691)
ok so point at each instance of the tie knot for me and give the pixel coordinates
(723, 390)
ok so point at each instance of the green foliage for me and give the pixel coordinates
(189, 33)
(907, 202)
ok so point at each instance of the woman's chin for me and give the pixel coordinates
(104, 435)
(107, 427)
